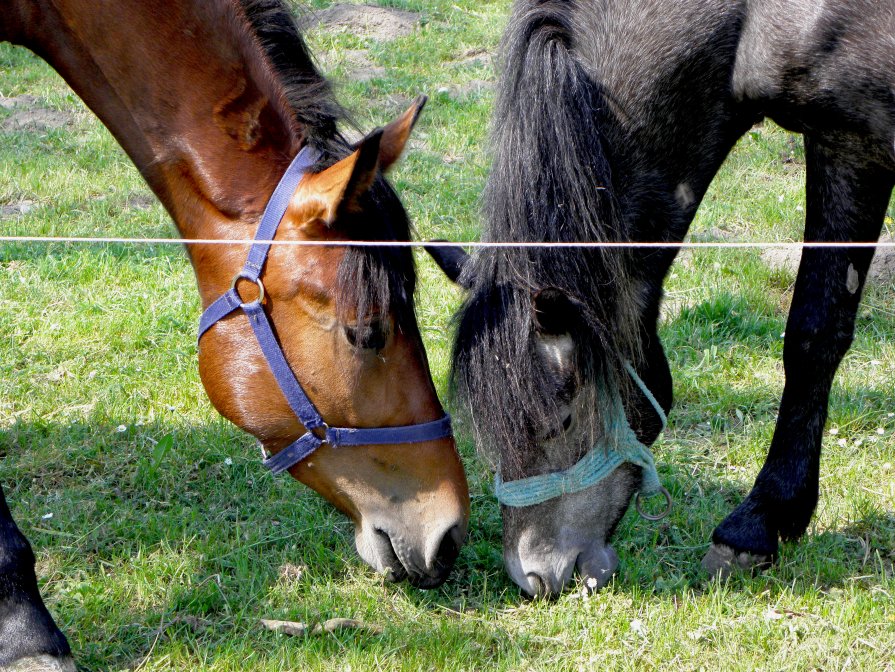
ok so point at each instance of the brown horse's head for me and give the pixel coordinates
(344, 319)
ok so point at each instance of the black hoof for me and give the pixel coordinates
(29, 638)
(42, 663)
(722, 561)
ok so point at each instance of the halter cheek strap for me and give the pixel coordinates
(618, 445)
(317, 431)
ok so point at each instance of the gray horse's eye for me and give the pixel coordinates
(567, 423)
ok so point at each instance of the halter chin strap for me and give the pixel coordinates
(618, 445)
(317, 431)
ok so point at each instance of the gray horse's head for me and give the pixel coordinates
(532, 367)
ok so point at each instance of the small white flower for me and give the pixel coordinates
(799, 208)
(774, 615)
(859, 442)
(121, 428)
(880, 431)
(875, 362)
(780, 198)
(46, 516)
(842, 443)
(228, 461)
(591, 582)
(890, 415)
(638, 627)
(834, 431)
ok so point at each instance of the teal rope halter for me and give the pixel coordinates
(618, 445)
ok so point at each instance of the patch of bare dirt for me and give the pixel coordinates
(476, 57)
(359, 67)
(16, 209)
(28, 114)
(8, 103)
(377, 23)
(470, 89)
(882, 269)
(139, 201)
(713, 234)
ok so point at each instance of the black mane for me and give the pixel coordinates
(307, 92)
(550, 181)
(369, 279)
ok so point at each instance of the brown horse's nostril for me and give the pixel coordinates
(448, 550)
(440, 563)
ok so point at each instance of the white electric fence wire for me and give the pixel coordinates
(463, 243)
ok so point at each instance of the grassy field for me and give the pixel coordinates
(161, 542)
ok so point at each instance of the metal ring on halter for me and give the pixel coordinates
(242, 275)
(658, 516)
(321, 431)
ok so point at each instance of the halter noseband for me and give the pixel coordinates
(317, 431)
(620, 445)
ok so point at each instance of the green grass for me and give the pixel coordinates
(167, 560)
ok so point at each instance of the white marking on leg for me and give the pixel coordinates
(852, 282)
(684, 195)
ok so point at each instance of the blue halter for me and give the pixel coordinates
(301, 405)
(620, 444)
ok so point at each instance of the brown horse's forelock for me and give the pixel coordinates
(550, 181)
(369, 279)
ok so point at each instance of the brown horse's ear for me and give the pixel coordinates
(321, 196)
(395, 135)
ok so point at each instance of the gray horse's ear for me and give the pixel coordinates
(554, 312)
(451, 259)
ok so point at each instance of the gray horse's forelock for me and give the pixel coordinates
(550, 181)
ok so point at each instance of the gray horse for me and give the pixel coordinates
(612, 119)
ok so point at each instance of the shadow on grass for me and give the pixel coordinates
(181, 554)
(144, 552)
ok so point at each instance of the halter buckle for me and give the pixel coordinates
(243, 275)
(321, 431)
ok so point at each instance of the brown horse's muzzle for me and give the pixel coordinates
(409, 504)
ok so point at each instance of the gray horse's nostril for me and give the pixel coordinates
(536, 584)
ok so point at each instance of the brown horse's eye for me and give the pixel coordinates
(370, 336)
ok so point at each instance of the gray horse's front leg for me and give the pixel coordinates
(847, 196)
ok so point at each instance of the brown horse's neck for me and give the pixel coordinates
(187, 90)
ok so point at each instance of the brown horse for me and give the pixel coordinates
(211, 99)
